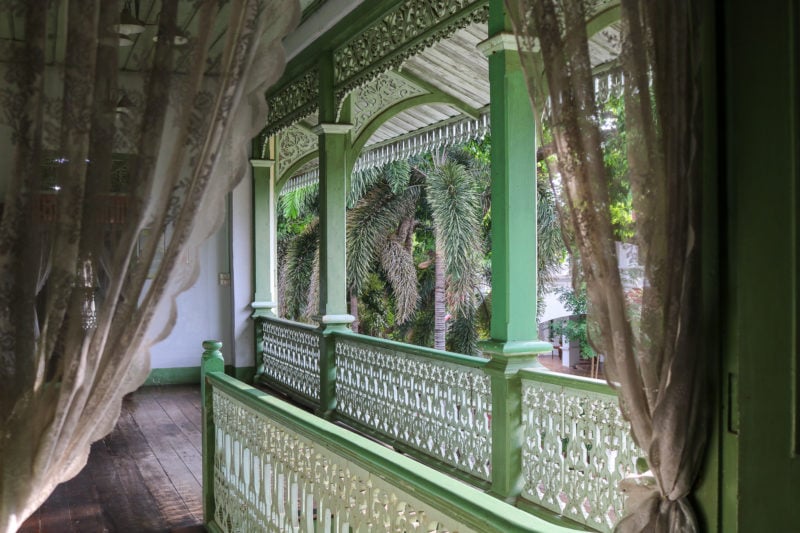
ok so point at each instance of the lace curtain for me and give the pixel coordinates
(651, 348)
(118, 167)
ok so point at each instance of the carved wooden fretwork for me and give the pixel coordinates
(378, 95)
(293, 102)
(440, 409)
(269, 477)
(577, 448)
(293, 143)
(290, 354)
(404, 31)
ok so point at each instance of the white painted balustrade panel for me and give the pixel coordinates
(268, 477)
(291, 356)
(438, 408)
(577, 449)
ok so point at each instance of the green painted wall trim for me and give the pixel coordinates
(174, 376)
(566, 380)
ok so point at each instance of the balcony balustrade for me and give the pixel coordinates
(436, 407)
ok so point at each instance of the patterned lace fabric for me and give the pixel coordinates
(119, 143)
(651, 345)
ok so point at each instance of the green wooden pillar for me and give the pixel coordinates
(265, 259)
(212, 361)
(334, 147)
(514, 330)
(264, 237)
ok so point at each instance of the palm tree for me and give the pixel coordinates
(380, 229)
(454, 196)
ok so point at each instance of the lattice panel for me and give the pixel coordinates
(440, 409)
(269, 478)
(291, 357)
(577, 449)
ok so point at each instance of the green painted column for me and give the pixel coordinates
(334, 147)
(212, 361)
(264, 238)
(514, 330)
(265, 254)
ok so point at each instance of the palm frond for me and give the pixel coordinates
(300, 202)
(369, 223)
(361, 182)
(455, 205)
(462, 336)
(299, 269)
(397, 174)
(398, 265)
(312, 300)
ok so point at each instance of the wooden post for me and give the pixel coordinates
(514, 332)
(212, 361)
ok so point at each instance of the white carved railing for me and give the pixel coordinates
(277, 468)
(434, 403)
(290, 355)
(577, 448)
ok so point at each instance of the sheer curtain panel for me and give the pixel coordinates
(651, 343)
(123, 126)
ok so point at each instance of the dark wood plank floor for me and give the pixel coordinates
(144, 477)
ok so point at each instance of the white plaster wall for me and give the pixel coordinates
(203, 311)
(241, 253)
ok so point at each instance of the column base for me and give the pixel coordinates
(511, 356)
(263, 309)
(326, 321)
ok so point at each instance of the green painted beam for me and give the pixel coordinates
(513, 193)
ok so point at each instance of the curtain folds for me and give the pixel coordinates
(119, 163)
(651, 347)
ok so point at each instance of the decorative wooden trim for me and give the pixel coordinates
(294, 143)
(408, 28)
(293, 102)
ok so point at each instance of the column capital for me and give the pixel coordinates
(262, 163)
(497, 43)
(323, 127)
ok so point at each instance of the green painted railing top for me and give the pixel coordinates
(466, 505)
(567, 380)
(440, 355)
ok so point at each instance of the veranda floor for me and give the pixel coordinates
(146, 476)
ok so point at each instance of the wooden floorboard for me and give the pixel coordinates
(145, 476)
